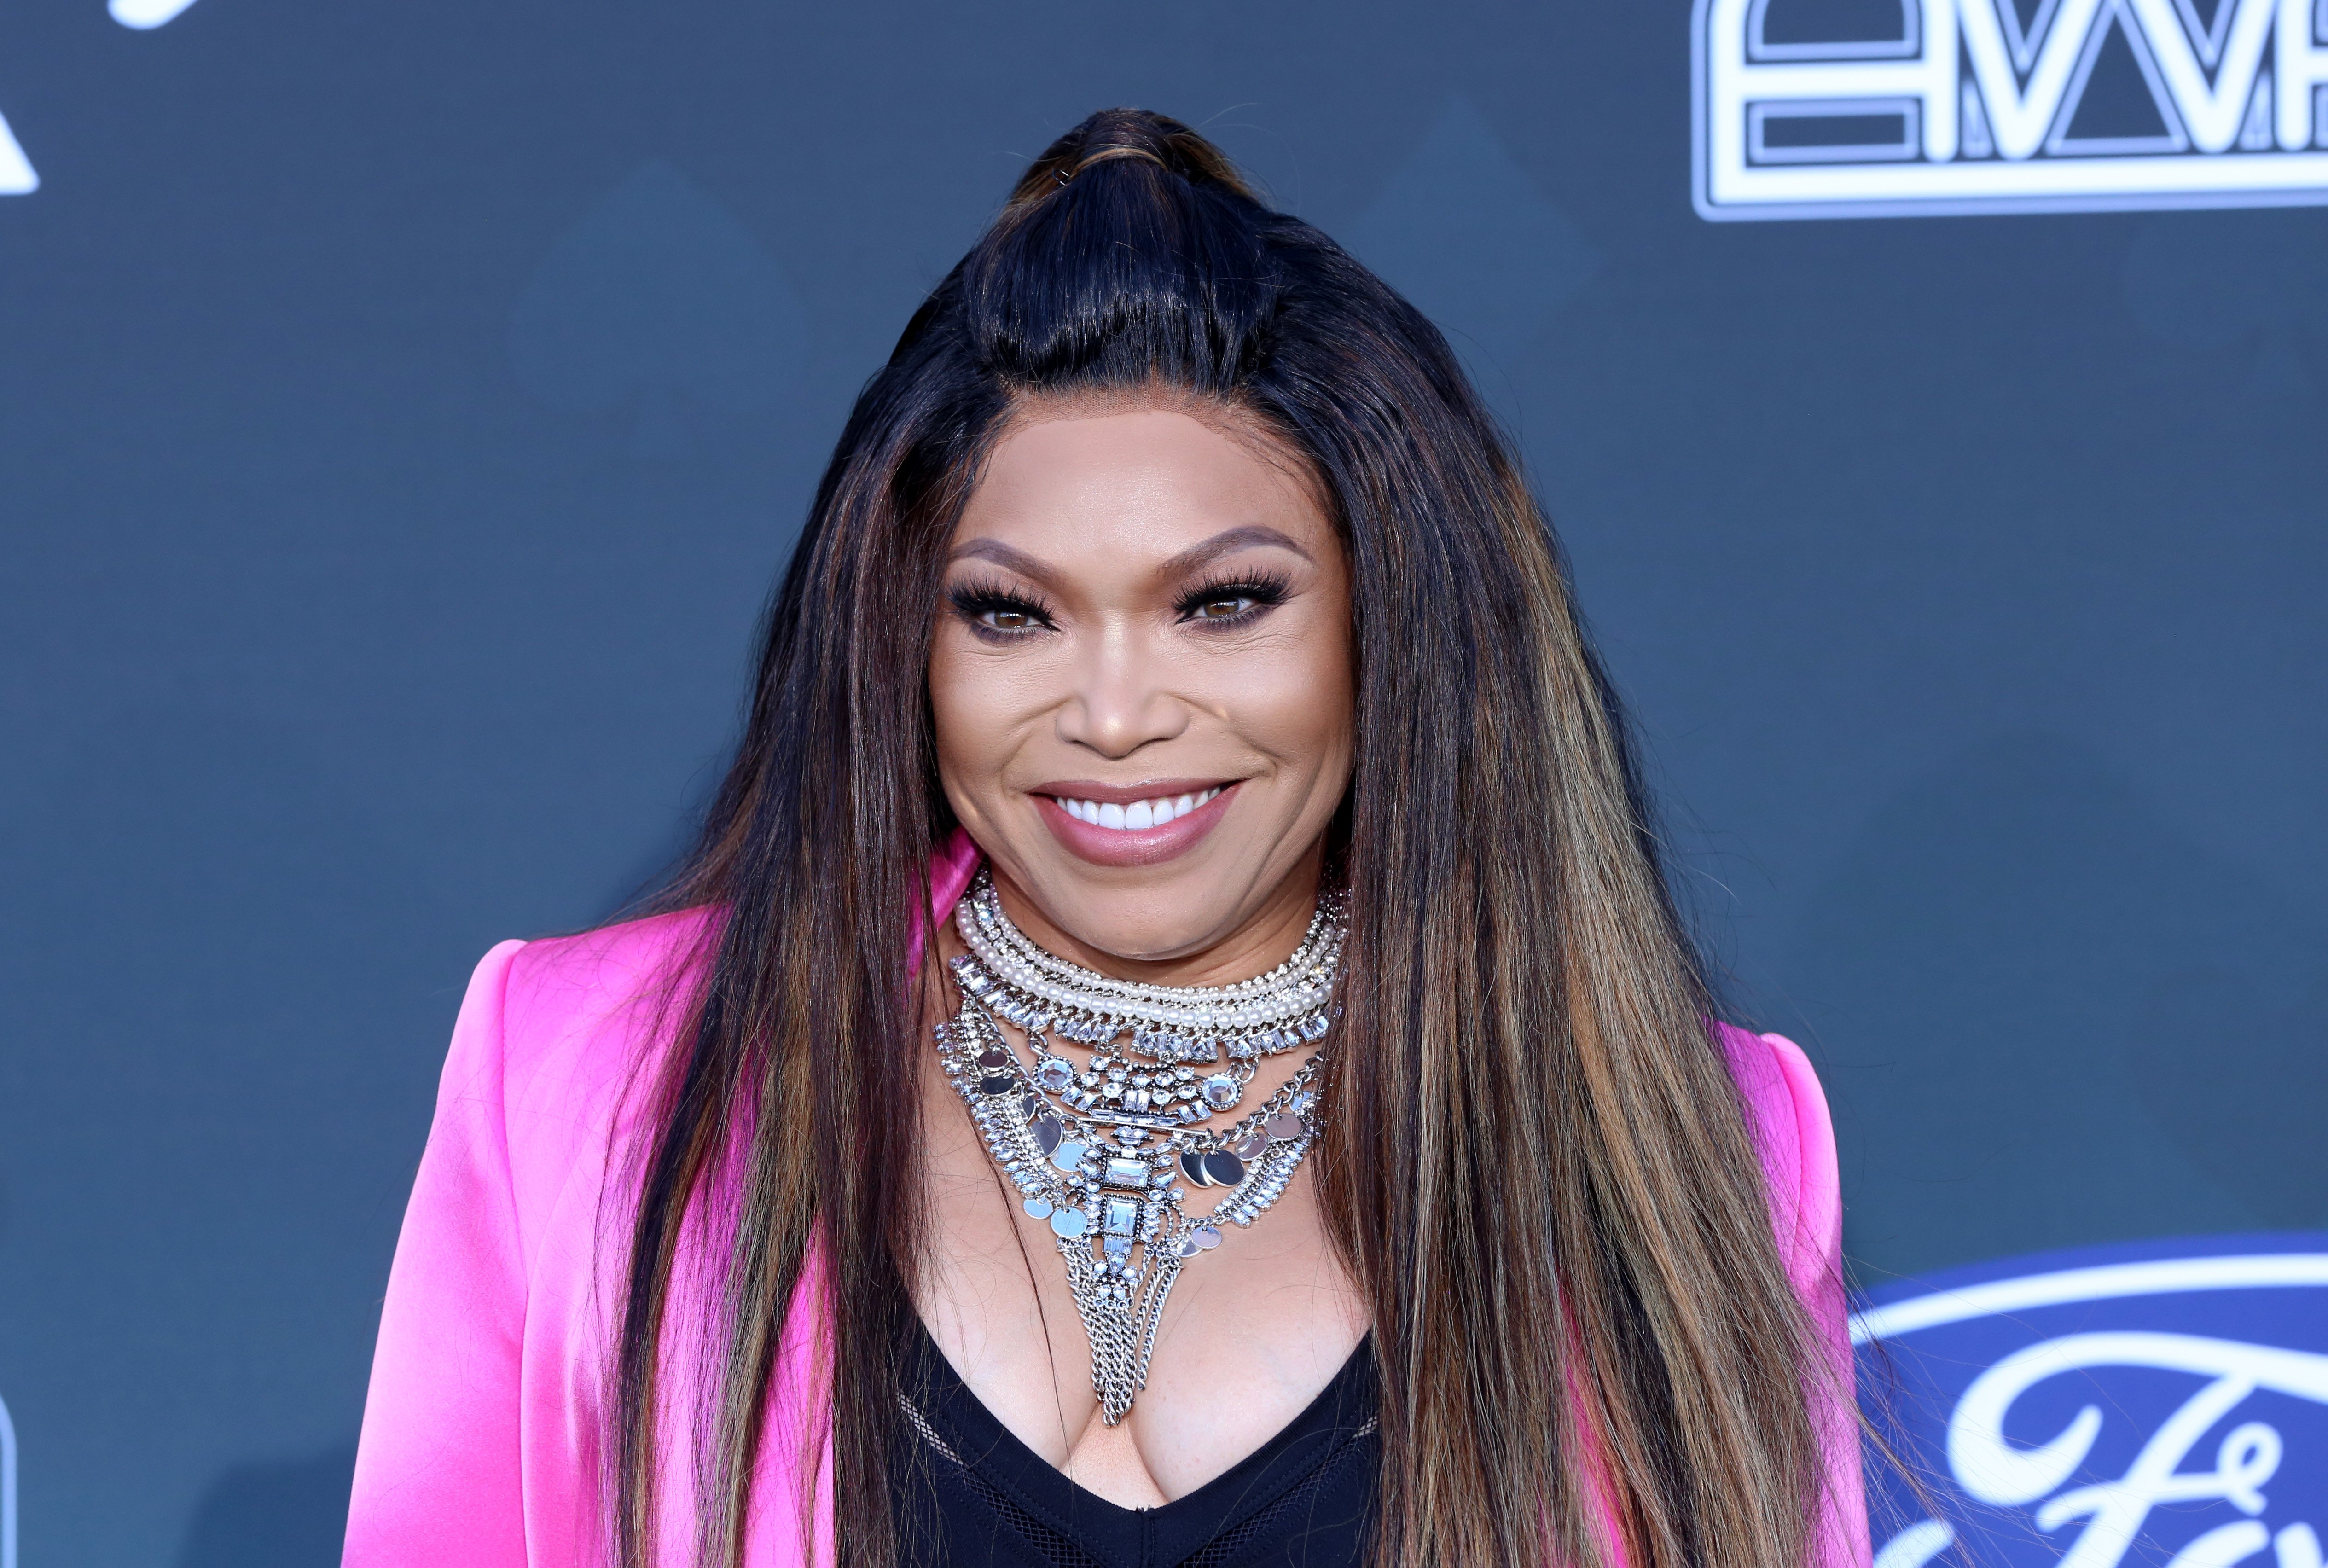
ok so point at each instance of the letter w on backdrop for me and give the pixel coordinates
(2005, 106)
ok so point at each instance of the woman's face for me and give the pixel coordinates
(1141, 678)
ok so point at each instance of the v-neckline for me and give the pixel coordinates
(945, 1410)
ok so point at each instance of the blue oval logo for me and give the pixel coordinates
(2164, 1403)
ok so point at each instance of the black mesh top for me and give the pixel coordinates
(972, 1494)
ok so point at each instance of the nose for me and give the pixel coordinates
(1119, 703)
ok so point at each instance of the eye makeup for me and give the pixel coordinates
(1002, 613)
(997, 613)
(1252, 593)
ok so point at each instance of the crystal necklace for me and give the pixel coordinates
(1102, 1151)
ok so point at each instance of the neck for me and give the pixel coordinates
(1256, 943)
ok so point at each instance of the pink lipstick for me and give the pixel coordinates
(1140, 824)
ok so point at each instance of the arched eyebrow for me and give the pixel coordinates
(1003, 554)
(1194, 558)
(1228, 541)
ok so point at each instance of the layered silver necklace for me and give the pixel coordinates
(1107, 1151)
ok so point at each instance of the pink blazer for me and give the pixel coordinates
(481, 1433)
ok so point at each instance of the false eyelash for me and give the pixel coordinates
(1265, 590)
(973, 599)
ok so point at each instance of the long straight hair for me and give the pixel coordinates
(1537, 1170)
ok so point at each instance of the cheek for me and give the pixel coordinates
(1301, 705)
(1332, 711)
(984, 710)
(964, 728)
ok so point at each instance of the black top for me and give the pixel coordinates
(970, 1493)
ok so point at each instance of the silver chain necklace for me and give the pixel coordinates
(1102, 1151)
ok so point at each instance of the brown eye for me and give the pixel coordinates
(997, 614)
(1229, 604)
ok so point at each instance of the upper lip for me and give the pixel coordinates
(1126, 794)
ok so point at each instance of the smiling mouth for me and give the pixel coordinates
(1138, 815)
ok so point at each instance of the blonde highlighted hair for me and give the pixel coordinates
(1538, 1171)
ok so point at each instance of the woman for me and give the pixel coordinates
(1174, 1045)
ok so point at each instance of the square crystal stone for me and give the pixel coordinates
(1119, 1216)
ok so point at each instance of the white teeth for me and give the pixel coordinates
(1140, 815)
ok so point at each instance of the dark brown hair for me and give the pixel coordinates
(1537, 1171)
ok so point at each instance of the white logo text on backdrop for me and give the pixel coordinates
(1967, 110)
(2114, 1511)
(16, 175)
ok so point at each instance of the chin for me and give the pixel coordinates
(1140, 913)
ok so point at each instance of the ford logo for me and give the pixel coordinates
(2160, 1403)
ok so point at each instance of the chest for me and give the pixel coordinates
(1254, 1330)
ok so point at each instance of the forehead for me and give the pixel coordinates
(1147, 479)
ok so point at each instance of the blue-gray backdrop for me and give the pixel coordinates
(403, 409)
